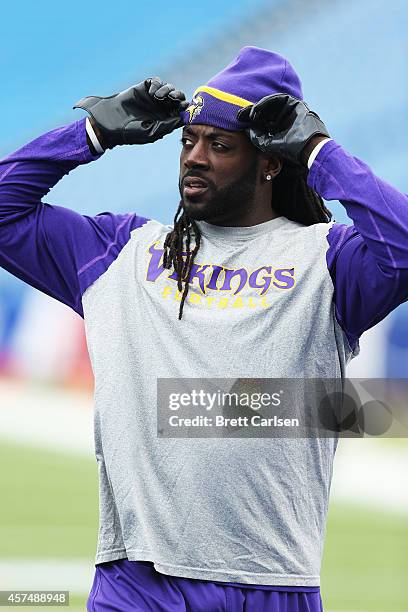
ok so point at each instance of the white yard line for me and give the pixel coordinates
(371, 474)
(46, 417)
(74, 575)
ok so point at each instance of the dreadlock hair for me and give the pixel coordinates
(174, 250)
(292, 198)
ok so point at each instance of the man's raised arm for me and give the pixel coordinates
(55, 249)
(368, 261)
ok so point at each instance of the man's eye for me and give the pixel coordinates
(184, 141)
(220, 146)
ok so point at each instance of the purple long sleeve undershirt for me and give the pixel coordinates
(61, 252)
(53, 248)
(368, 261)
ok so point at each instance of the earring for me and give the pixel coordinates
(268, 177)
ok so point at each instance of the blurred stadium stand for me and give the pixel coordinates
(351, 57)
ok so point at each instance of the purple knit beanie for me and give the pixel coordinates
(254, 74)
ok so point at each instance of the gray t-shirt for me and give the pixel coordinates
(260, 305)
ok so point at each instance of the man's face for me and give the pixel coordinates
(218, 174)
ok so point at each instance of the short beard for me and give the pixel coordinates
(229, 202)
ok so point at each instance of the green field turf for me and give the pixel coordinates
(49, 510)
(52, 504)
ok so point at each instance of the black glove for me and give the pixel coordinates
(141, 114)
(281, 125)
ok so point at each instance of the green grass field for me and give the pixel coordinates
(49, 510)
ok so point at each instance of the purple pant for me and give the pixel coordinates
(135, 586)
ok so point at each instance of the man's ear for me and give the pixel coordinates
(270, 166)
(273, 165)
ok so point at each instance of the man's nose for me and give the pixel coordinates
(197, 155)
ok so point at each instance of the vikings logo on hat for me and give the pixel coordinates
(195, 107)
(252, 75)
